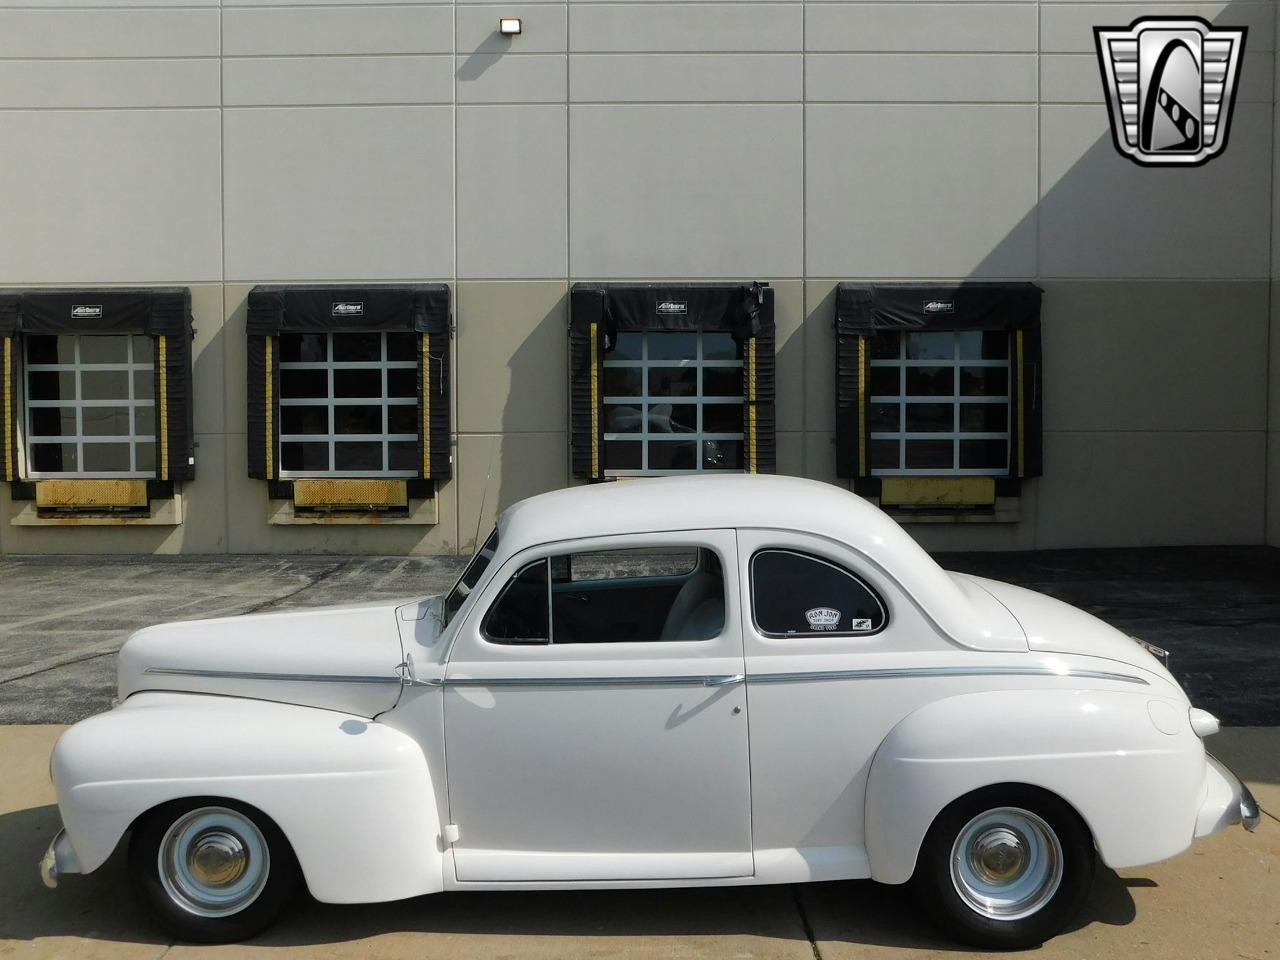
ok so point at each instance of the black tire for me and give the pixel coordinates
(941, 895)
(272, 895)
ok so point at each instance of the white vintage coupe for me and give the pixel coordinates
(676, 682)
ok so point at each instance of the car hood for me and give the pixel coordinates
(337, 658)
(1056, 627)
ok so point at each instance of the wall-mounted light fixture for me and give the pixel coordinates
(509, 26)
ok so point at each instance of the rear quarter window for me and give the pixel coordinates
(799, 595)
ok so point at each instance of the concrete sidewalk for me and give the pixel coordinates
(1221, 899)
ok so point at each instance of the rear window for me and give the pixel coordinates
(798, 595)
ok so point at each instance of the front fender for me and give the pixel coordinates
(354, 797)
(1138, 789)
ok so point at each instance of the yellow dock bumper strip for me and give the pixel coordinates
(426, 405)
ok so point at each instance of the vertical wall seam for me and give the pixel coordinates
(804, 242)
(1036, 266)
(568, 214)
(453, 342)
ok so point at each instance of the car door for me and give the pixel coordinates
(587, 744)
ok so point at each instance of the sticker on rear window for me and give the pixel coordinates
(823, 618)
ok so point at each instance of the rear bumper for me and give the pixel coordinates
(1226, 801)
(58, 860)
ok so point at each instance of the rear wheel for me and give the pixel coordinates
(1006, 867)
(212, 871)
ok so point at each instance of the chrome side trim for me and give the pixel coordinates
(250, 675)
(886, 673)
(690, 681)
(896, 673)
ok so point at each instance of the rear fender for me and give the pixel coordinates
(1136, 788)
(354, 797)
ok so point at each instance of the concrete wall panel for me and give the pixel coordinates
(1155, 355)
(906, 78)
(339, 193)
(263, 31)
(512, 191)
(954, 190)
(498, 78)
(108, 83)
(208, 362)
(146, 210)
(685, 191)
(1067, 27)
(687, 78)
(681, 27)
(108, 33)
(513, 370)
(502, 469)
(1103, 216)
(304, 81)
(920, 26)
(820, 358)
(1143, 489)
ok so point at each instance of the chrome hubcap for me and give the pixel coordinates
(217, 859)
(213, 862)
(1006, 864)
(998, 855)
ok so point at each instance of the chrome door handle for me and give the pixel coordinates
(723, 681)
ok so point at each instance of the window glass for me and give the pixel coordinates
(348, 404)
(470, 576)
(623, 564)
(90, 405)
(520, 614)
(794, 594)
(650, 595)
(647, 595)
(673, 403)
(939, 403)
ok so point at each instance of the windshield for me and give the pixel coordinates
(470, 577)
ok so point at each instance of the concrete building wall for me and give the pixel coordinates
(798, 143)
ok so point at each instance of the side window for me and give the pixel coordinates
(794, 594)
(637, 596)
(520, 614)
(613, 596)
(470, 577)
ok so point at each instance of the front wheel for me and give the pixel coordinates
(1006, 867)
(211, 871)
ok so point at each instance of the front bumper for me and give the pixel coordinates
(58, 860)
(1226, 801)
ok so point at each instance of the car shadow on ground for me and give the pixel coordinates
(101, 907)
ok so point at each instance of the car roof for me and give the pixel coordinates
(713, 502)
(704, 501)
